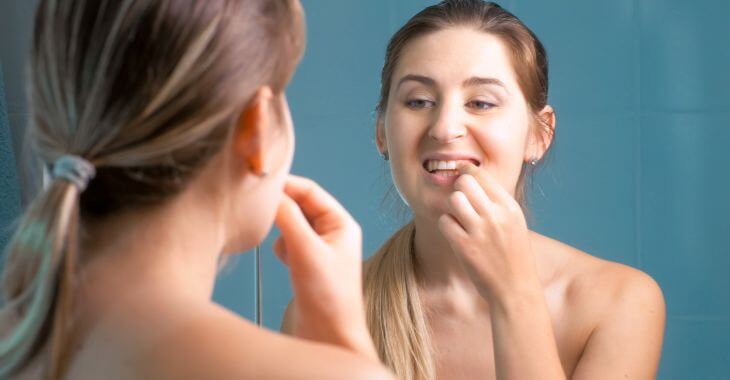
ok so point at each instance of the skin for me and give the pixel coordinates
(144, 296)
(502, 301)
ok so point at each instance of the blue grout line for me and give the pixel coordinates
(699, 317)
(686, 111)
(637, 102)
(391, 16)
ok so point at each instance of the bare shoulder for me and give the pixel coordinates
(614, 315)
(599, 285)
(224, 346)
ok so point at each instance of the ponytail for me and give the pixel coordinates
(395, 316)
(39, 274)
(38, 282)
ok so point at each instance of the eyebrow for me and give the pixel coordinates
(479, 81)
(470, 82)
(417, 78)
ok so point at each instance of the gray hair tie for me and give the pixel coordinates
(74, 169)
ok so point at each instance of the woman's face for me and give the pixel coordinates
(453, 96)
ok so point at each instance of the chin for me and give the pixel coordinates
(430, 208)
(247, 240)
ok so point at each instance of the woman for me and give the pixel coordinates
(465, 290)
(169, 140)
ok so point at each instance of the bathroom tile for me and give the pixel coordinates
(16, 28)
(340, 71)
(695, 349)
(9, 190)
(684, 208)
(685, 55)
(591, 50)
(235, 285)
(584, 195)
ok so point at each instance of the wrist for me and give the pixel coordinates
(366, 348)
(359, 341)
(520, 299)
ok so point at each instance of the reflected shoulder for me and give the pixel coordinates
(600, 285)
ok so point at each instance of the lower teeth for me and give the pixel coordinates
(446, 173)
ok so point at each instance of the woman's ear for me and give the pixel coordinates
(541, 136)
(380, 140)
(250, 131)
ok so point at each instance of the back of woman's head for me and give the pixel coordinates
(147, 91)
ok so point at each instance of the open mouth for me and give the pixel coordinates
(445, 167)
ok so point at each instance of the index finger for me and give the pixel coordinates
(494, 189)
(314, 201)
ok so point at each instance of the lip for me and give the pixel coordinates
(441, 180)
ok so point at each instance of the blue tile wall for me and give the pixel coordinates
(684, 209)
(696, 348)
(685, 55)
(9, 189)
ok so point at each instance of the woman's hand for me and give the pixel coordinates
(322, 246)
(486, 228)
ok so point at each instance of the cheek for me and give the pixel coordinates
(504, 145)
(401, 130)
(501, 143)
(402, 134)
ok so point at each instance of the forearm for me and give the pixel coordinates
(353, 337)
(348, 331)
(524, 343)
(351, 332)
(360, 342)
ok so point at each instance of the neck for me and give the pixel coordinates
(438, 267)
(443, 278)
(172, 250)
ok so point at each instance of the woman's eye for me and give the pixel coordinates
(480, 104)
(419, 103)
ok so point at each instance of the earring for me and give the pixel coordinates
(533, 161)
(386, 156)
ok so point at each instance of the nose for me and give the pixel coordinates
(448, 125)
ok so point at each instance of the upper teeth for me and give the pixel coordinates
(432, 165)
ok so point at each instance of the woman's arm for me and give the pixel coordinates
(321, 246)
(488, 233)
(627, 342)
(523, 338)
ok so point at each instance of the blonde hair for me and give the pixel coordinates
(147, 91)
(396, 317)
(394, 313)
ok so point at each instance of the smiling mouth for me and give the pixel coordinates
(445, 167)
